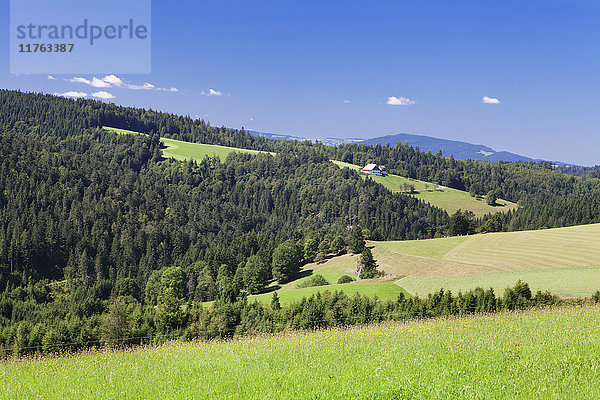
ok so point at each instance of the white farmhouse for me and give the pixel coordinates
(375, 169)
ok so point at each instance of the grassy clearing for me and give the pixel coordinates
(547, 259)
(452, 200)
(546, 354)
(121, 131)
(447, 199)
(383, 289)
(180, 150)
(332, 270)
(565, 282)
(196, 151)
(393, 182)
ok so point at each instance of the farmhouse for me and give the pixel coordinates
(375, 169)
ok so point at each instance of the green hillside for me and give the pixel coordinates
(452, 200)
(196, 151)
(536, 354)
(393, 182)
(181, 150)
(332, 270)
(550, 259)
(445, 198)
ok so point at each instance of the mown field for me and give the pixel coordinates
(565, 282)
(563, 260)
(447, 199)
(544, 354)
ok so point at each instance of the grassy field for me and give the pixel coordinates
(180, 150)
(548, 259)
(548, 354)
(393, 182)
(332, 270)
(196, 151)
(452, 200)
(565, 261)
(565, 282)
(121, 131)
(445, 198)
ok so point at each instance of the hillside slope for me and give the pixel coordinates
(565, 261)
(448, 199)
(545, 354)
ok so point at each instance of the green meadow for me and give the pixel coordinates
(332, 270)
(393, 182)
(539, 354)
(180, 150)
(452, 200)
(445, 198)
(196, 151)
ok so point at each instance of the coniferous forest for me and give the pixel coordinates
(102, 239)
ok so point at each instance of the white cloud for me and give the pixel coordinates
(71, 94)
(400, 101)
(103, 95)
(95, 82)
(173, 89)
(145, 86)
(212, 92)
(490, 100)
(50, 77)
(251, 119)
(113, 80)
(347, 101)
(99, 83)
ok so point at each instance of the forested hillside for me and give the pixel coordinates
(97, 228)
(532, 185)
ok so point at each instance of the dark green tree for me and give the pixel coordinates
(286, 261)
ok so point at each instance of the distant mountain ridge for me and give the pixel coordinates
(458, 149)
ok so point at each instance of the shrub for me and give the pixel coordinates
(345, 279)
(316, 280)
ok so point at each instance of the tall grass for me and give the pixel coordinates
(535, 354)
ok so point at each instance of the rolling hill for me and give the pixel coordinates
(565, 261)
(445, 198)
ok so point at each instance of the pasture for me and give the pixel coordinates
(543, 354)
(452, 200)
(180, 150)
(393, 182)
(445, 198)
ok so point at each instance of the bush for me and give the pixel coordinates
(316, 280)
(345, 279)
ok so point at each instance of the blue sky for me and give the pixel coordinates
(328, 69)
